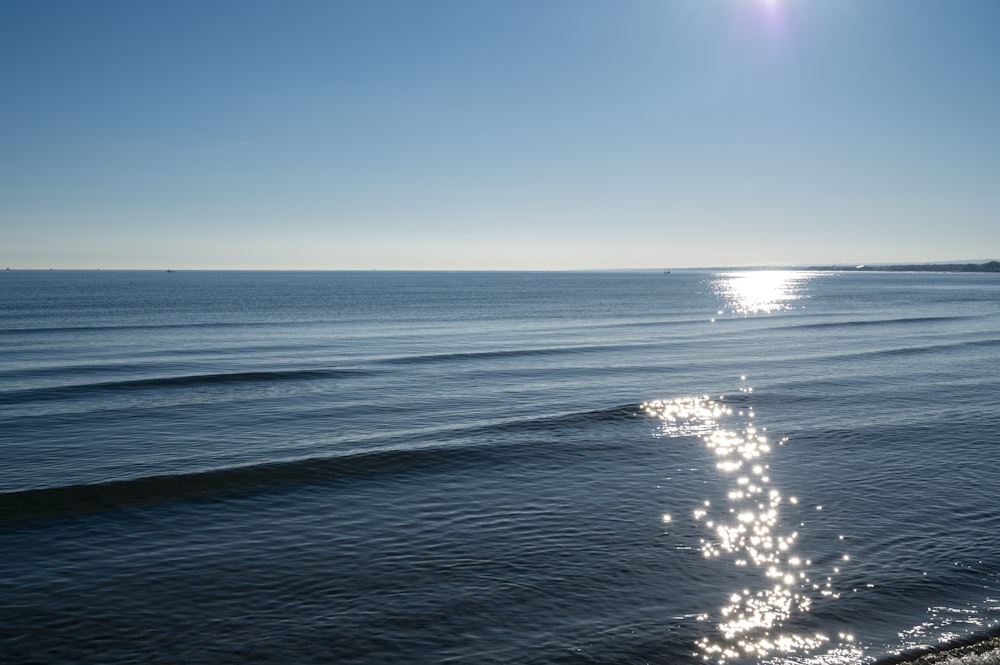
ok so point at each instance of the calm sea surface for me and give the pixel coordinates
(523, 468)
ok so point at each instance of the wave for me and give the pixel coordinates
(216, 483)
(563, 421)
(508, 353)
(265, 376)
(203, 325)
(917, 349)
(909, 350)
(25, 505)
(979, 649)
(150, 326)
(880, 322)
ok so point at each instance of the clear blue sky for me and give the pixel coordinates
(503, 134)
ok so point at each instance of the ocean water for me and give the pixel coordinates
(525, 468)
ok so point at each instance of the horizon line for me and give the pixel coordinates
(840, 266)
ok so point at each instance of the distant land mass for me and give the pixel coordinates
(989, 266)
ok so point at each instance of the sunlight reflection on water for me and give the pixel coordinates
(746, 534)
(761, 291)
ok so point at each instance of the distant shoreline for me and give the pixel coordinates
(989, 266)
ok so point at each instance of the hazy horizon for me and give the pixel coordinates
(661, 269)
(566, 135)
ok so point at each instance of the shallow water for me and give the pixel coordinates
(496, 467)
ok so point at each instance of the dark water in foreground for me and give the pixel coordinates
(530, 468)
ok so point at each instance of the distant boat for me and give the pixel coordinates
(171, 271)
(666, 272)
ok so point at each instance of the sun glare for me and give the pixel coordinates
(759, 619)
(761, 292)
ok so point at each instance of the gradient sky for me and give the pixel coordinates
(503, 134)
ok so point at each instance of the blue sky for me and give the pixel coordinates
(507, 134)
